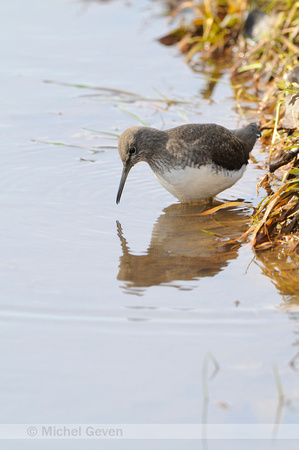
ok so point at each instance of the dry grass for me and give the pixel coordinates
(259, 70)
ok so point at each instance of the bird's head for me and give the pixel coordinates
(131, 150)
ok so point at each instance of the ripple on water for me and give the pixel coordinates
(174, 320)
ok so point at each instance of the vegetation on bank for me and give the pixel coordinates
(259, 41)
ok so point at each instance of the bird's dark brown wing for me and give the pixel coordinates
(200, 144)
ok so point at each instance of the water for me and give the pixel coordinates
(119, 314)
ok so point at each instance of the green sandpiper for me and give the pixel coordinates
(194, 162)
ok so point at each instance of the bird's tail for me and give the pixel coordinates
(249, 134)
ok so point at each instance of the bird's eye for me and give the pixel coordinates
(132, 150)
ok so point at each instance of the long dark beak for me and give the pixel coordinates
(124, 175)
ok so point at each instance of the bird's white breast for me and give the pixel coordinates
(193, 184)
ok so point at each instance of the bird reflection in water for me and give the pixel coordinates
(184, 246)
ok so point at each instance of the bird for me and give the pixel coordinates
(257, 25)
(194, 162)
